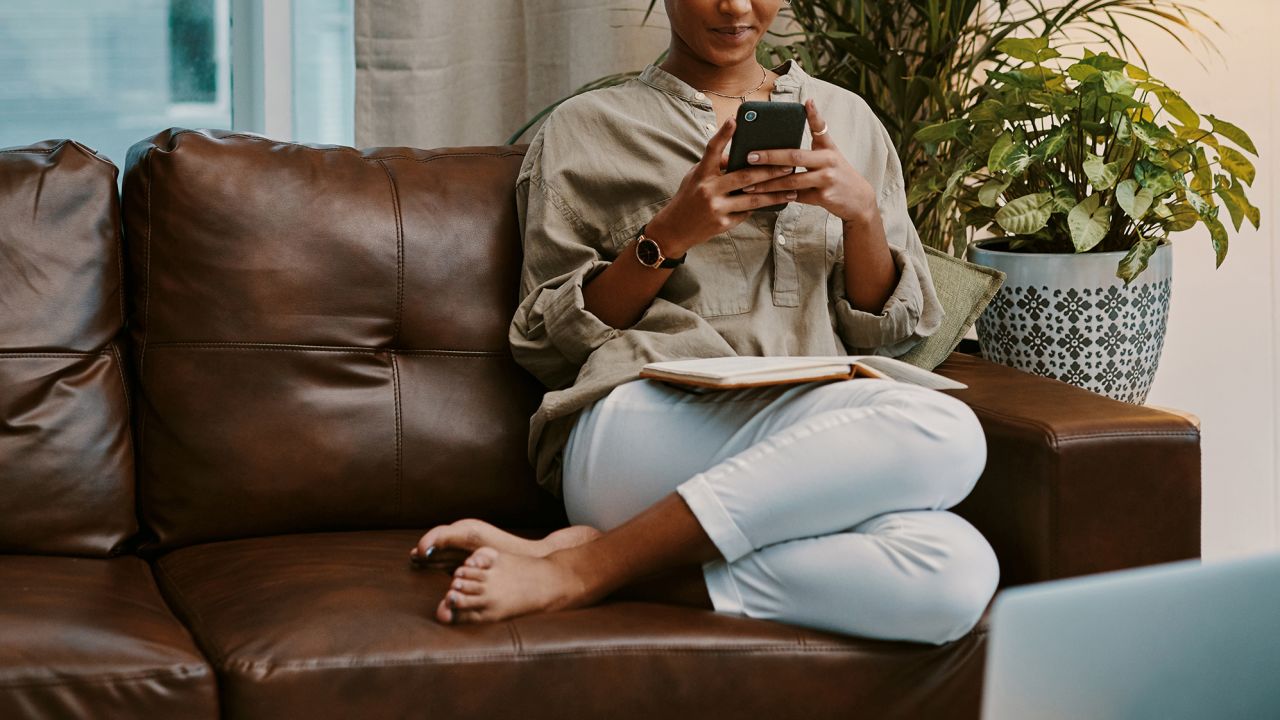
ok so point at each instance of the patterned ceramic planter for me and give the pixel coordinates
(1069, 317)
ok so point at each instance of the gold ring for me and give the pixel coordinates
(823, 131)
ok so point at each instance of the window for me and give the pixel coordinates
(324, 79)
(112, 73)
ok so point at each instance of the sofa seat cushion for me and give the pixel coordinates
(84, 637)
(337, 625)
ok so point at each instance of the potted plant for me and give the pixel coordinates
(1082, 168)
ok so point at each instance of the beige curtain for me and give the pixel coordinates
(439, 73)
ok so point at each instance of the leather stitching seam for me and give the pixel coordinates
(395, 383)
(284, 347)
(181, 672)
(5, 354)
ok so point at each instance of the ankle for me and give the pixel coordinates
(587, 580)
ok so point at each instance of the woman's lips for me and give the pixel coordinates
(733, 37)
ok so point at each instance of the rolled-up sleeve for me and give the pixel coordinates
(913, 311)
(552, 332)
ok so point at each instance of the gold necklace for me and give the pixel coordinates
(743, 98)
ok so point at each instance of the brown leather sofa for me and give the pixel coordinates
(228, 411)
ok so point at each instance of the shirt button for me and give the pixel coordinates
(782, 240)
(700, 96)
(710, 126)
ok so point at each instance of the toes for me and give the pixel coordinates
(470, 573)
(432, 537)
(461, 601)
(482, 558)
(468, 587)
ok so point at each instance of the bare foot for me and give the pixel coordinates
(471, 534)
(493, 585)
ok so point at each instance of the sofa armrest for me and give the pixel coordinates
(1076, 482)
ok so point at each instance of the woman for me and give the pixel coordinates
(818, 504)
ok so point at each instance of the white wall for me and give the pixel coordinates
(1220, 358)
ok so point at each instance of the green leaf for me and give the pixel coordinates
(1234, 162)
(1203, 206)
(1183, 217)
(989, 110)
(1196, 134)
(1052, 143)
(992, 189)
(1063, 200)
(938, 132)
(1008, 155)
(1088, 222)
(1154, 135)
(1232, 133)
(1136, 72)
(1218, 235)
(1133, 200)
(1115, 82)
(1104, 62)
(1084, 73)
(1153, 177)
(1177, 107)
(1022, 79)
(1101, 176)
(1025, 215)
(1202, 177)
(1232, 194)
(1123, 125)
(1135, 261)
(1033, 50)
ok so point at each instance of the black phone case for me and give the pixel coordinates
(776, 125)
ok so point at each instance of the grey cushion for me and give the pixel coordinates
(964, 289)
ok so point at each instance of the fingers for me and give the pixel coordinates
(747, 177)
(788, 181)
(717, 145)
(816, 125)
(743, 204)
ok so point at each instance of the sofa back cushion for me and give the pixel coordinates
(66, 456)
(321, 337)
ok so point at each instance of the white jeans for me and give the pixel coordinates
(827, 500)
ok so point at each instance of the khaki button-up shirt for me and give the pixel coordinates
(604, 162)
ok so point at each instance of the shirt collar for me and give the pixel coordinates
(791, 78)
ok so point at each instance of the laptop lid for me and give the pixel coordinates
(1169, 641)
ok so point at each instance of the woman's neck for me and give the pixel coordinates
(737, 79)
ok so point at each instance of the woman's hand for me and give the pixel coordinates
(702, 206)
(829, 181)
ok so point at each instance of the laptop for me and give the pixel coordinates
(1178, 640)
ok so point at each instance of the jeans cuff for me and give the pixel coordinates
(713, 517)
(722, 588)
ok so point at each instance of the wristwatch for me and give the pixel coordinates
(650, 255)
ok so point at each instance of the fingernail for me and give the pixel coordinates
(753, 157)
(749, 188)
(791, 195)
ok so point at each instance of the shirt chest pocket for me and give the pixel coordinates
(713, 279)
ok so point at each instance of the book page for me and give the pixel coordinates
(743, 368)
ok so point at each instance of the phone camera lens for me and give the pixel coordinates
(749, 115)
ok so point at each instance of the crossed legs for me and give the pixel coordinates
(822, 505)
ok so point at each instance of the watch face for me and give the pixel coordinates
(648, 251)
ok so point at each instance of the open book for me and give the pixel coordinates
(739, 371)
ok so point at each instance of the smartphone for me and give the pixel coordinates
(765, 125)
